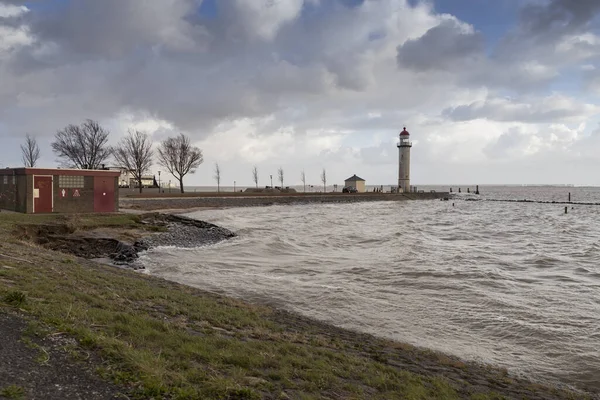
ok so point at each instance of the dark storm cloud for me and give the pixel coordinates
(558, 16)
(458, 52)
(444, 46)
(164, 60)
(543, 26)
(115, 28)
(553, 109)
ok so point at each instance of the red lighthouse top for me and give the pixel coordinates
(404, 132)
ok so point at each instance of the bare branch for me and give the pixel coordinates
(218, 176)
(324, 180)
(280, 176)
(255, 175)
(30, 152)
(179, 157)
(83, 146)
(135, 154)
(303, 179)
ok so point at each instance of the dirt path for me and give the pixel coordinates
(40, 368)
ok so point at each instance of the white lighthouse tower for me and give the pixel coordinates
(404, 146)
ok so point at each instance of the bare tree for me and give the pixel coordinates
(134, 153)
(84, 146)
(218, 176)
(324, 180)
(179, 157)
(303, 179)
(280, 176)
(30, 151)
(255, 175)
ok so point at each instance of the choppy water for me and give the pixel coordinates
(512, 284)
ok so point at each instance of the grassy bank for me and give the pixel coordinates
(163, 340)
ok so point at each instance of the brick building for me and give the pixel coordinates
(41, 190)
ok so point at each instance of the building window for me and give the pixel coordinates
(66, 181)
(6, 179)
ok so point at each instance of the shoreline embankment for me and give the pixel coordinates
(154, 338)
(193, 200)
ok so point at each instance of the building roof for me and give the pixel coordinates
(58, 171)
(404, 132)
(354, 178)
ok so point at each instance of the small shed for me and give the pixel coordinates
(355, 182)
(42, 190)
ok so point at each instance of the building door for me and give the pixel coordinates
(104, 194)
(42, 194)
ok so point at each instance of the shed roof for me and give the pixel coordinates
(354, 178)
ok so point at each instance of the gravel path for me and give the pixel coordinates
(39, 368)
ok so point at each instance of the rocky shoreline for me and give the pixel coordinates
(162, 230)
(179, 231)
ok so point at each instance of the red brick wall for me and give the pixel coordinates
(8, 192)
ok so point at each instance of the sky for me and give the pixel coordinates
(492, 92)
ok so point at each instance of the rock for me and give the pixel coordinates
(184, 232)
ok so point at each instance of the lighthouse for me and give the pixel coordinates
(404, 146)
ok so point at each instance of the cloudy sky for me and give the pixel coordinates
(503, 91)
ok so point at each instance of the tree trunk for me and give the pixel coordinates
(181, 184)
(140, 184)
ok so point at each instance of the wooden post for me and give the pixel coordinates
(468, 190)
(566, 209)
(477, 190)
(569, 197)
(458, 190)
(450, 190)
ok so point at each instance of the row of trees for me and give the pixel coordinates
(280, 176)
(86, 146)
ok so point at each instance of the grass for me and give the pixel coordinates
(13, 392)
(9, 221)
(15, 298)
(163, 340)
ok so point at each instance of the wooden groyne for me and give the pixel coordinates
(538, 201)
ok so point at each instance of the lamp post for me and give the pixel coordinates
(169, 186)
(158, 181)
(271, 181)
(234, 186)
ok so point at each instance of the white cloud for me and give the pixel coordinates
(264, 18)
(16, 35)
(12, 11)
(523, 141)
(12, 38)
